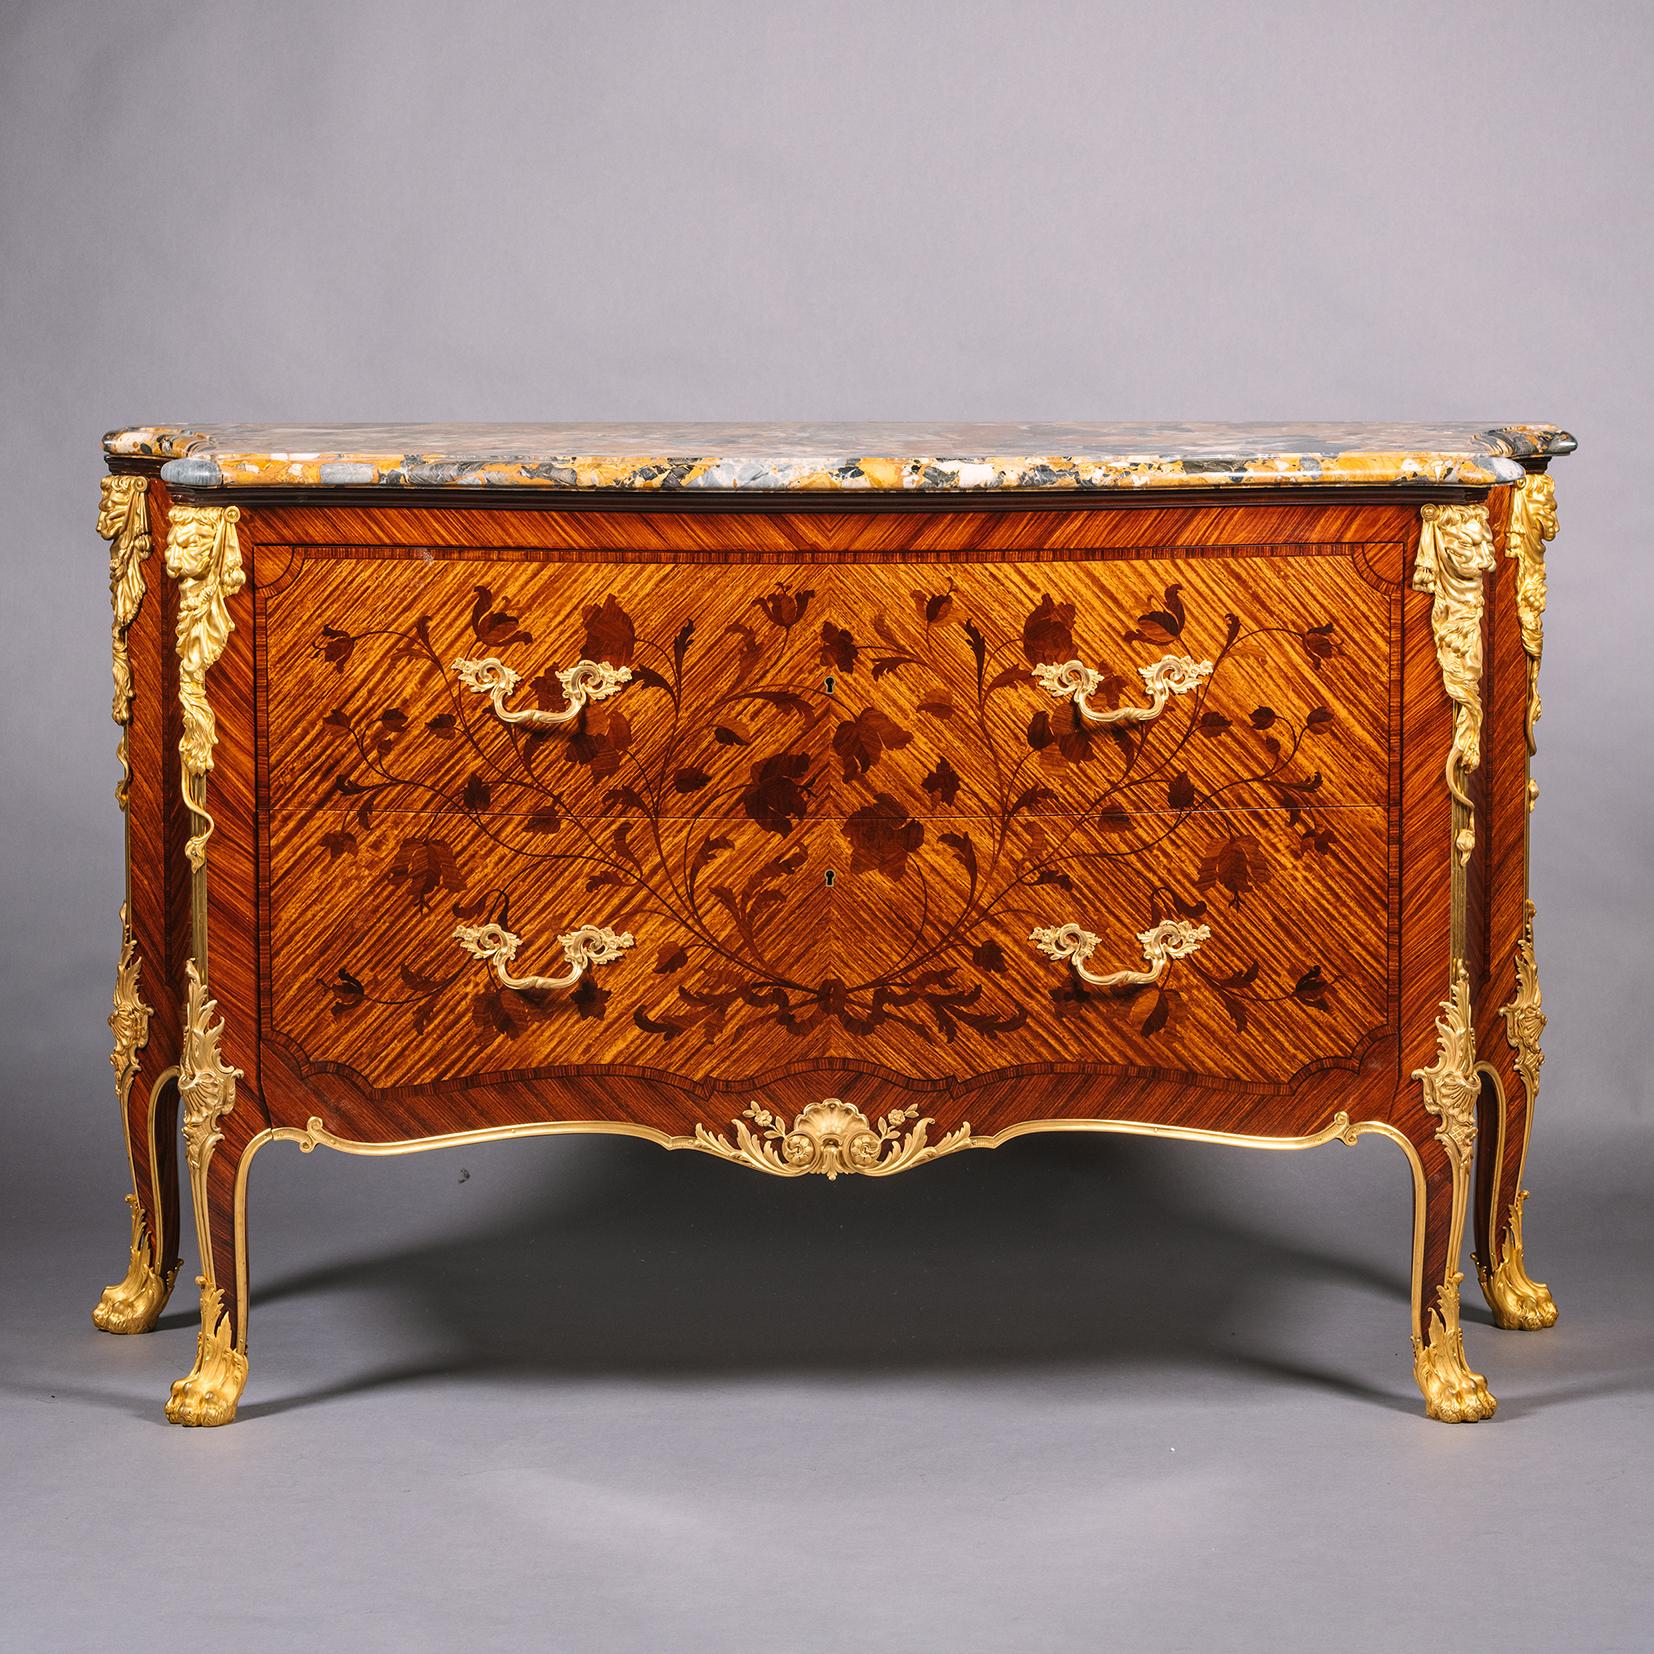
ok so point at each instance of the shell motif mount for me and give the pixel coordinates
(1451, 1087)
(583, 947)
(128, 1014)
(1168, 676)
(585, 682)
(1162, 943)
(206, 1083)
(831, 1137)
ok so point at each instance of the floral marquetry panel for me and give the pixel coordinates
(829, 806)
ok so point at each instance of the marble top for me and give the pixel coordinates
(853, 457)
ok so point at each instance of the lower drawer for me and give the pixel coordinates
(1240, 945)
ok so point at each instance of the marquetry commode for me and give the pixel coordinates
(828, 799)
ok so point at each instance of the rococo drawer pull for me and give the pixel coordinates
(589, 945)
(1170, 939)
(584, 682)
(1170, 675)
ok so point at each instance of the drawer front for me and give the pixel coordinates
(842, 815)
(1127, 686)
(406, 685)
(1244, 946)
(1101, 688)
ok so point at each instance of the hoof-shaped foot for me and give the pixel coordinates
(1519, 1303)
(135, 1303)
(1452, 1392)
(207, 1394)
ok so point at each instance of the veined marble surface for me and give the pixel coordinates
(859, 457)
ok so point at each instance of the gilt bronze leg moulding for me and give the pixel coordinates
(829, 801)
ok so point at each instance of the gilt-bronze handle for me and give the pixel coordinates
(584, 682)
(1170, 675)
(582, 948)
(1170, 939)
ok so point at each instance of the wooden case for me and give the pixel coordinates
(828, 840)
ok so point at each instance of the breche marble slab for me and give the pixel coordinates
(943, 459)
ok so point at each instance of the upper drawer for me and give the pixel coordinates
(773, 694)
(1128, 686)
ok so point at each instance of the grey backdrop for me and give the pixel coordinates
(582, 1396)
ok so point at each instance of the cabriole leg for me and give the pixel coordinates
(134, 1303)
(215, 1137)
(1518, 1302)
(1452, 1392)
(143, 1084)
(1516, 1299)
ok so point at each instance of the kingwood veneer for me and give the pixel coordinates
(827, 813)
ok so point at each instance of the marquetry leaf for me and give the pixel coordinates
(838, 648)
(943, 782)
(882, 836)
(497, 627)
(778, 795)
(861, 741)
(610, 634)
(1048, 632)
(1164, 625)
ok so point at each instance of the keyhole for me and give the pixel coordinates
(829, 876)
(830, 685)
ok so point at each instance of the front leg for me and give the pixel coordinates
(1453, 1393)
(216, 1136)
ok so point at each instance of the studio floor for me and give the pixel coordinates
(1093, 1394)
